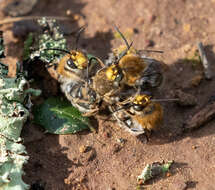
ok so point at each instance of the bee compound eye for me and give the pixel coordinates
(119, 76)
(90, 81)
(128, 122)
(71, 63)
(92, 95)
(137, 107)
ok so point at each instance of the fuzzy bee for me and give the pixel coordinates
(109, 90)
(138, 114)
(133, 68)
(75, 70)
(107, 81)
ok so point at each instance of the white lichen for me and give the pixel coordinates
(13, 115)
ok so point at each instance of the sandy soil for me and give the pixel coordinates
(172, 26)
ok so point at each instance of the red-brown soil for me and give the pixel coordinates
(175, 27)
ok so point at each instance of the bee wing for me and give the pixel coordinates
(127, 123)
(152, 74)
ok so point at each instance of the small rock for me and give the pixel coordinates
(186, 48)
(20, 7)
(140, 20)
(168, 174)
(185, 99)
(88, 156)
(92, 155)
(107, 134)
(149, 43)
(195, 81)
(76, 16)
(194, 147)
(152, 18)
(116, 148)
(136, 31)
(121, 140)
(83, 149)
(67, 181)
(68, 12)
(187, 28)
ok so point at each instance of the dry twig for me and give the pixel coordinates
(205, 62)
(17, 19)
(201, 117)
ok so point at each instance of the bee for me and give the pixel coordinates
(76, 64)
(74, 71)
(109, 90)
(138, 114)
(107, 81)
(132, 68)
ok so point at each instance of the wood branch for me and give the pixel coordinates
(17, 19)
(205, 62)
(201, 117)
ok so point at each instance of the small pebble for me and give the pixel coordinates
(149, 43)
(186, 48)
(187, 28)
(67, 181)
(168, 174)
(116, 148)
(136, 31)
(152, 18)
(195, 81)
(140, 182)
(140, 20)
(83, 149)
(185, 99)
(76, 16)
(68, 12)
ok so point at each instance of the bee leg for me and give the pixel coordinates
(144, 137)
(100, 62)
(77, 100)
(90, 113)
(109, 97)
(147, 135)
(125, 101)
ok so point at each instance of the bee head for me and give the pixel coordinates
(114, 73)
(77, 60)
(140, 102)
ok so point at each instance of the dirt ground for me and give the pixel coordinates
(115, 157)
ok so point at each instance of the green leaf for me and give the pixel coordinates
(60, 117)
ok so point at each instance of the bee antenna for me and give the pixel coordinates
(123, 37)
(63, 50)
(88, 65)
(124, 53)
(165, 100)
(150, 50)
(78, 36)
